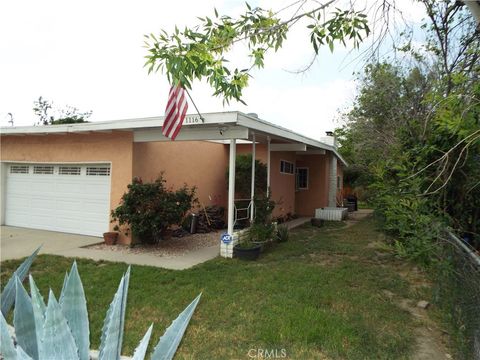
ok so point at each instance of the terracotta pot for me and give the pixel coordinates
(110, 237)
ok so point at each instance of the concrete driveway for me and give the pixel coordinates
(20, 242)
(17, 242)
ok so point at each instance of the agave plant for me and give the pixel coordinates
(60, 329)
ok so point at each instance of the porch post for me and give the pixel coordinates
(252, 210)
(231, 185)
(268, 165)
(332, 187)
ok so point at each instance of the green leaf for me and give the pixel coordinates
(6, 341)
(63, 286)
(24, 321)
(141, 349)
(74, 307)
(8, 294)
(112, 331)
(21, 355)
(57, 339)
(38, 307)
(168, 343)
(330, 45)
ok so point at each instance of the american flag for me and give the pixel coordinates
(175, 112)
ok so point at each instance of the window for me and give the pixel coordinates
(69, 170)
(43, 169)
(286, 167)
(302, 178)
(339, 182)
(19, 169)
(98, 170)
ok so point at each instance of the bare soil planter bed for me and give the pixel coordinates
(169, 247)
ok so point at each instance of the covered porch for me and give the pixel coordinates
(302, 173)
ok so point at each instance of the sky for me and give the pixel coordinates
(89, 54)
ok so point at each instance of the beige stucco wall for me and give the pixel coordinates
(195, 163)
(306, 201)
(282, 186)
(198, 163)
(116, 148)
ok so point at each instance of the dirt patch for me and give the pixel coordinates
(353, 218)
(171, 247)
(430, 340)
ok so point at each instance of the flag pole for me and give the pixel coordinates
(193, 102)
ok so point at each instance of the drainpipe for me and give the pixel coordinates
(252, 209)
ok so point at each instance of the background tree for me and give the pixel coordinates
(414, 133)
(49, 115)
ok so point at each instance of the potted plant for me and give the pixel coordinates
(258, 236)
(110, 237)
(247, 250)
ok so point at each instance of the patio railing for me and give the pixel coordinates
(243, 209)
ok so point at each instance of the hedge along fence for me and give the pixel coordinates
(457, 290)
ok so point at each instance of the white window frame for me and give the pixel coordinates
(69, 170)
(297, 186)
(18, 169)
(287, 162)
(43, 169)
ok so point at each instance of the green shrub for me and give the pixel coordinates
(148, 209)
(283, 234)
(261, 232)
(243, 176)
(264, 206)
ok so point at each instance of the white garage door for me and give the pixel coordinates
(69, 198)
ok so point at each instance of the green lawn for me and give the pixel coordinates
(318, 296)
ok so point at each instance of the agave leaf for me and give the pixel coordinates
(8, 294)
(7, 349)
(141, 349)
(22, 355)
(124, 308)
(38, 307)
(65, 279)
(112, 331)
(35, 293)
(168, 343)
(74, 307)
(24, 321)
(57, 339)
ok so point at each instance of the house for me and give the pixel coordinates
(68, 177)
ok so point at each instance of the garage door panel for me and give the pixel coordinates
(42, 203)
(19, 187)
(17, 218)
(73, 206)
(18, 203)
(41, 221)
(67, 203)
(70, 188)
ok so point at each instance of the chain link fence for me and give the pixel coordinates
(458, 291)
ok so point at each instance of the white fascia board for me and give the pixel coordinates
(257, 124)
(288, 147)
(193, 134)
(312, 152)
(130, 124)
